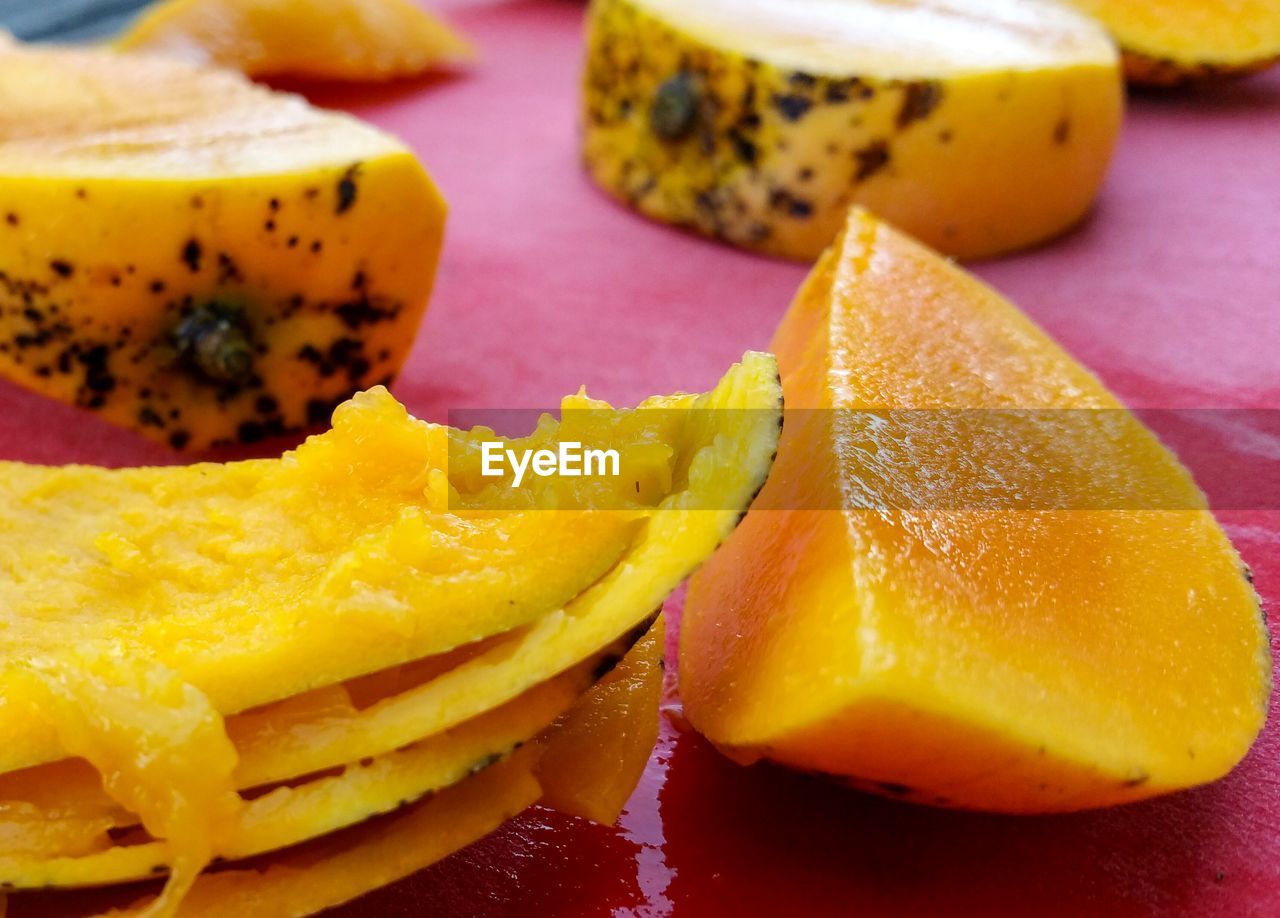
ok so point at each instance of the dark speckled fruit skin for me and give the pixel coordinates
(770, 159)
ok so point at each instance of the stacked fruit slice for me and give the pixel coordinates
(222, 661)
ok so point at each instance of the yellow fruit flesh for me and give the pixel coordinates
(329, 39)
(979, 128)
(1008, 659)
(1167, 42)
(197, 258)
(230, 576)
(596, 751)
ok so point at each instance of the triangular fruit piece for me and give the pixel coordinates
(326, 39)
(979, 127)
(976, 579)
(196, 257)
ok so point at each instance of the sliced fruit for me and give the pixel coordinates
(1169, 42)
(328, 39)
(931, 631)
(597, 750)
(229, 576)
(197, 258)
(979, 127)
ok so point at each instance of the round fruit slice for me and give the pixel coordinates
(967, 615)
(978, 126)
(327, 39)
(1170, 42)
(198, 258)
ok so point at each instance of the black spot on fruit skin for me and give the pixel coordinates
(61, 268)
(792, 106)
(674, 112)
(191, 255)
(871, 159)
(347, 189)
(919, 99)
(1062, 132)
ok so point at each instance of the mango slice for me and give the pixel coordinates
(597, 750)
(931, 632)
(197, 258)
(326, 39)
(1172, 42)
(979, 127)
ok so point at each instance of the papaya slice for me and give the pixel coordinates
(595, 753)
(978, 127)
(227, 575)
(197, 258)
(1173, 42)
(325, 39)
(999, 654)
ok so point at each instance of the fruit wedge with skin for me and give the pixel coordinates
(325, 39)
(198, 258)
(1172, 42)
(995, 652)
(979, 127)
(596, 751)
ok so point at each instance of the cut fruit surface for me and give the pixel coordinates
(1004, 654)
(198, 258)
(1168, 42)
(979, 127)
(596, 751)
(327, 39)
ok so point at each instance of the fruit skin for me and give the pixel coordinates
(174, 265)
(325, 39)
(998, 658)
(1171, 43)
(769, 158)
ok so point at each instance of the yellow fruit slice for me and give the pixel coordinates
(288, 815)
(229, 575)
(596, 751)
(198, 258)
(979, 127)
(905, 619)
(328, 39)
(1169, 42)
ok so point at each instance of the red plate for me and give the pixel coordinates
(1171, 293)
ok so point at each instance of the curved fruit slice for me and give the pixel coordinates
(596, 751)
(1004, 654)
(328, 39)
(1169, 42)
(288, 815)
(198, 258)
(979, 127)
(229, 576)
(726, 454)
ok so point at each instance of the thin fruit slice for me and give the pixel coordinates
(933, 632)
(1170, 42)
(228, 575)
(978, 126)
(596, 751)
(327, 39)
(198, 258)
(288, 815)
(725, 455)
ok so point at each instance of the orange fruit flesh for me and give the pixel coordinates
(994, 656)
(329, 39)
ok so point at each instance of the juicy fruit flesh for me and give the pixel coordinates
(336, 39)
(921, 38)
(725, 134)
(1098, 655)
(719, 460)
(1236, 33)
